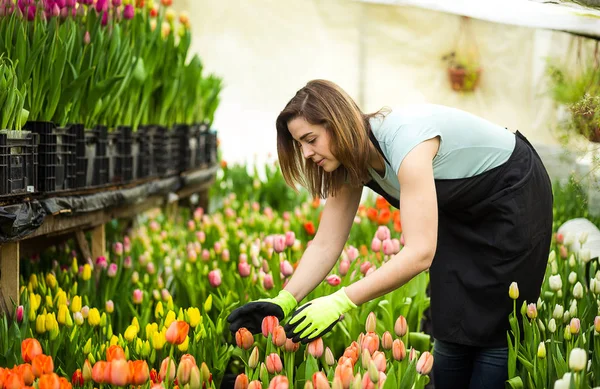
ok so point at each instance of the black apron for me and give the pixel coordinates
(493, 229)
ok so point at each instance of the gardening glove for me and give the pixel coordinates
(317, 317)
(252, 314)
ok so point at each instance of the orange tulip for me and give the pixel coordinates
(320, 381)
(138, 372)
(26, 372)
(371, 342)
(386, 340)
(398, 350)
(290, 346)
(13, 381)
(177, 332)
(309, 227)
(184, 371)
(273, 363)
(279, 336)
(241, 381)
(42, 364)
(49, 381)
(255, 385)
(114, 352)
(315, 348)
(98, 371)
(117, 373)
(352, 352)
(372, 214)
(30, 348)
(382, 203)
(3, 374)
(279, 382)
(385, 216)
(244, 338)
(268, 324)
(345, 373)
(188, 356)
(64, 383)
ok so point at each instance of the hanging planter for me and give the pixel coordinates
(462, 64)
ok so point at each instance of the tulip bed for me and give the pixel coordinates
(152, 314)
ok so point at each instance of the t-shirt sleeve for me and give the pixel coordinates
(401, 140)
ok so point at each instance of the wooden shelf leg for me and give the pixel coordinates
(98, 242)
(82, 243)
(9, 276)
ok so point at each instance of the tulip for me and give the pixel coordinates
(244, 269)
(541, 352)
(329, 358)
(48, 381)
(244, 338)
(268, 281)
(425, 363)
(42, 364)
(138, 372)
(255, 385)
(253, 359)
(383, 233)
(278, 336)
(279, 243)
(371, 342)
(290, 346)
(214, 278)
(388, 247)
(387, 340)
(365, 266)
(87, 371)
(194, 316)
(279, 382)
(138, 296)
(513, 291)
(177, 332)
(333, 280)
(167, 363)
(241, 381)
(286, 268)
(577, 359)
(365, 359)
(117, 372)
(30, 348)
(77, 378)
(531, 311)
(273, 363)
(555, 282)
(376, 245)
(184, 371)
(578, 290)
(398, 350)
(371, 323)
(319, 381)
(315, 348)
(575, 325)
(344, 266)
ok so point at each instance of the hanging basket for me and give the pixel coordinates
(463, 79)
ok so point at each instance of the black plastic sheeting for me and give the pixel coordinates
(19, 220)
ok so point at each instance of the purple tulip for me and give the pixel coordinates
(117, 3)
(31, 12)
(60, 3)
(129, 12)
(101, 6)
(104, 21)
(70, 3)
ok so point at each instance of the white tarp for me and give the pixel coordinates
(383, 55)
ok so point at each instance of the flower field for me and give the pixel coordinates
(152, 314)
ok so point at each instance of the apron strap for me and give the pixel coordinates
(376, 144)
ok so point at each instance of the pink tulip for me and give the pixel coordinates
(290, 238)
(268, 325)
(425, 363)
(268, 281)
(398, 350)
(127, 263)
(364, 267)
(19, 314)
(344, 266)
(383, 233)
(379, 359)
(117, 3)
(319, 380)
(118, 248)
(191, 224)
(376, 245)
(401, 326)
(214, 278)
(352, 253)
(396, 244)
(138, 296)
(269, 241)
(388, 247)
(225, 255)
(112, 270)
(273, 363)
(244, 269)
(55, 10)
(333, 280)
(575, 325)
(169, 364)
(316, 348)
(279, 243)
(101, 5)
(279, 382)
(101, 262)
(218, 247)
(205, 255)
(286, 268)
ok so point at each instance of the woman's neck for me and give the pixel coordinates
(376, 161)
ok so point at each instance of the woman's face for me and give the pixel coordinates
(314, 143)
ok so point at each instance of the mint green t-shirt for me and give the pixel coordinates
(469, 145)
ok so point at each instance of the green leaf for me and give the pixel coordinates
(409, 375)
(514, 383)
(390, 381)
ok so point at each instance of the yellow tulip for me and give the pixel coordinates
(50, 280)
(49, 303)
(184, 346)
(151, 328)
(135, 323)
(33, 281)
(87, 272)
(31, 312)
(94, 317)
(87, 348)
(61, 297)
(103, 319)
(40, 324)
(170, 305)
(51, 322)
(114, 340)
(158, 311)
(38, 301)
(159, 339)
(74, 266)
(63, 314)
(131, 333)
(138, 346)
(194, 316)
(180, 316)
(170, 318)
(208, 303)
(76, 304)
(146, 349)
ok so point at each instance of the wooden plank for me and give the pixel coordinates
(9, 276)
(83, 244)
(98, 242)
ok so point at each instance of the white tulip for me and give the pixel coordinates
(552, 325)
(577, 359)
(585, 255)
(552, 256)
(578, 290)
(558, 312)
(555, 282)
(583, 237)
(572, 278)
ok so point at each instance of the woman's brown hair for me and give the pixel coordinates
(322, 102)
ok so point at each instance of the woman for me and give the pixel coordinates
(476, 207)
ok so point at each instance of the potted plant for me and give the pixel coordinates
(586, 117)
(464, 72)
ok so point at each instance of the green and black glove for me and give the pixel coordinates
(317, 317)
(252, 314)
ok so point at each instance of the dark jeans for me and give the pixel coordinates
(457, 366)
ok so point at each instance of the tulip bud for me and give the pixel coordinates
(373, 372)
(577, 359)
(401, 326)
(575, 325)
(567, 332)
(371, 323)
(572, 278)
(329, 358)
(585, 255)
(578, 290)
(315, 348)
(425, 363)
(398, 350)
(555, 282)
(531, 311)
(387, 340)
(376, 245)
(513, 291)
(552, 325)
(541, 352)
(254, 357)
(273, 363)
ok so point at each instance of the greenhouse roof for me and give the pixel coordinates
(553, 15)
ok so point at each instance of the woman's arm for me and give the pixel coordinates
(418, 202)
(320, 257)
